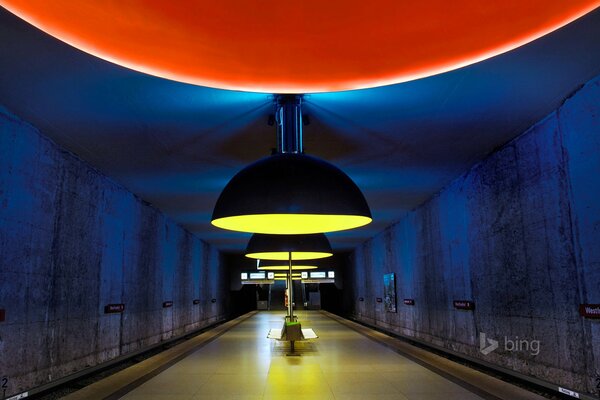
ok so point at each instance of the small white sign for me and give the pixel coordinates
(569, 392)
(19, 396)
(244, 275)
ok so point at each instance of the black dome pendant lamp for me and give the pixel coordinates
(288, 247)
(274, 265)
(290, 192)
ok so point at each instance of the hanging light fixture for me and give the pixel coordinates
(286, 247)
(290, 192)
(280, 266)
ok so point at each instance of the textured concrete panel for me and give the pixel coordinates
(519, 234)
(72, 241)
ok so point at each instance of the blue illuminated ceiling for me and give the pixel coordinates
(176, 145)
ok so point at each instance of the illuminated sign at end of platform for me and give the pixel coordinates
(244, 275)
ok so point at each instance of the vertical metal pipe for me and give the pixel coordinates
(289, 123)
(290, 289)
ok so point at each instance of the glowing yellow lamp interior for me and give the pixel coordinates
(290, 224)
(284, 255)
(285, 275)
(286, 267)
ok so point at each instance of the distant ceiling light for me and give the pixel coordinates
(290, 192)
(279, 265)
(285, 275)
(279, 247)
(286, 267)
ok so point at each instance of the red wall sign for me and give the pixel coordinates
(167, 304)
(196, 301)
(590, 310)
(114, 308)
(2, 315)
(409, 302)
(464, 304)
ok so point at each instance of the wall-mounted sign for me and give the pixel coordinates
(379, 300)
(361, 299)
(258, 275)
(318, 274)
(270, 275)
(167, 304)
(409, 302)
(114, 308)
(244, 275)
(2, 315)
(464, 305)
(591, 311)
(196, 301)
(304, 275)
(326, 280)
(331, 274)
(213, 301)
(258, 282)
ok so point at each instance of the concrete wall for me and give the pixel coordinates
(72, 241)
(519, 234)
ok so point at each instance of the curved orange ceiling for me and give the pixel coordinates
(297, 46)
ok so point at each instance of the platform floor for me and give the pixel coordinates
(341, 364)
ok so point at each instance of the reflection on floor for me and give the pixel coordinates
(341, 364)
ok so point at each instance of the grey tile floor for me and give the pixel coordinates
(341, 364)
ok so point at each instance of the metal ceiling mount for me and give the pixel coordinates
(289, 123)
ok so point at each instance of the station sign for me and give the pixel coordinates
(464, 305)
(318, 275)
(258, 282)
(591, 311)
(318, 280)
(409, 302)
(114, 308)
(257, 275)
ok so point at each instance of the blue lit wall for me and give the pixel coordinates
(519, 234)
(73, 241)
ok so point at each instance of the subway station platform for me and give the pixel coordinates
(344, 363)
